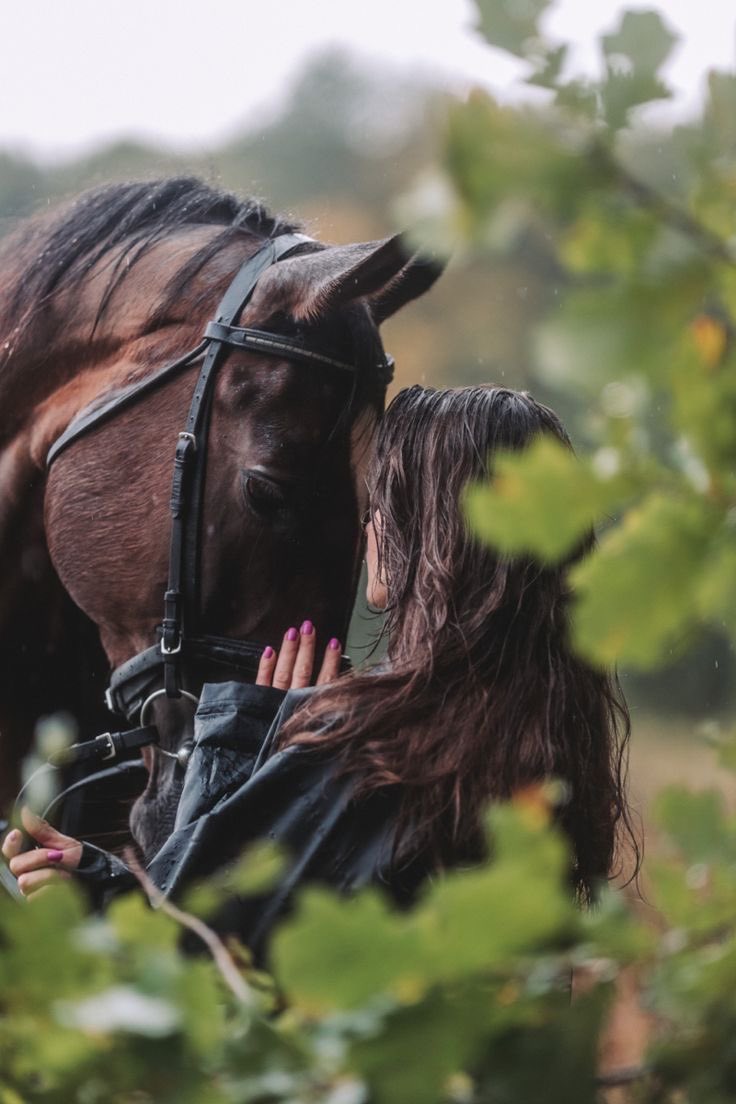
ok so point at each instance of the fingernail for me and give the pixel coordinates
(55, 856)
(267, 652)
(334, 644)
(14, 835)
(307, 628)
(292, 634)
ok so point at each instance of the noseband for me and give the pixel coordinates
(159, 670)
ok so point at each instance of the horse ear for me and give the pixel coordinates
(416, 277)
(313, 284)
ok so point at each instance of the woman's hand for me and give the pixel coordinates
(293, 666)
(50, 863)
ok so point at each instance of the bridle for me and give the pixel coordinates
(158, 670)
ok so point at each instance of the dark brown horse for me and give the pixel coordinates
(99, 296)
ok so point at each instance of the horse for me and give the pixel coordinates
(98, 300)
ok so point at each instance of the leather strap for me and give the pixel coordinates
(181, 606)
(110, 745)
(261, 341)
(137, 678)
(85, 422)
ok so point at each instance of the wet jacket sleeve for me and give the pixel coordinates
(223, 759)
(102, 874)
(239, 789)
(295, 797)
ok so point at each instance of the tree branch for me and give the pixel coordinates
(220, 954)
(667, 211)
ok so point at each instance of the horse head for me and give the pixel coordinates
(287, 441)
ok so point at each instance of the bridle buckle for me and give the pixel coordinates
(110, 749)
(167, 651)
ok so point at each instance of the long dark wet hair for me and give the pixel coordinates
(482, 694)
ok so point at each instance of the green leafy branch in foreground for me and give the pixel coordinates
(401, 1006)
(640, 328)
(463, 1000)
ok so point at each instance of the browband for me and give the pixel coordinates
(271, 344)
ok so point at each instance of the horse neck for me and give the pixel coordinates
(45, 347)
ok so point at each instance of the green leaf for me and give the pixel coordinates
(719, 123)
(578, 96)
(135, 922)
(341, 953)
(697, 824)
(612, 930)
(256, 871)
(637, 593)
(547, 69)
(448, 1030)
(511, 24)
(553, 1060)
(716, 585)
(345, 953)
(493, 153)
(622, 92)
(543, 500)
(642, 38)
(633, 55)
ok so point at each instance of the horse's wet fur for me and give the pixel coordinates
(114, 286)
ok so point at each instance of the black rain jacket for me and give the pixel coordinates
(238, 789)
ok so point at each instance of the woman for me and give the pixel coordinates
(383, 776)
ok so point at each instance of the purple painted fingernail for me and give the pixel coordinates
(307, 628)
(334, 644)
(292, 635)
(267, 652)
(55, 856)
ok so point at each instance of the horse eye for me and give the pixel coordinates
(263, 495)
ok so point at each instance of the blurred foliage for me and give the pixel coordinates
(641, 330)
(464, 1000)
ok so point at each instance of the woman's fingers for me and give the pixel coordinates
(304, 662)
(286, 660)
(39, 879)
(293, 666)
(296, 659)
(266, 667)
(12, 844)
(63, 850)
(40, 857)
(330, 668)
(43, 866)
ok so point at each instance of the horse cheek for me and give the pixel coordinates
(108, 551)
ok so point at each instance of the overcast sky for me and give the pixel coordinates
(77, 73)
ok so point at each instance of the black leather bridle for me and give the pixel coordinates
(158, 670)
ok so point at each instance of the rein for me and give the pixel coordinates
(158, 670)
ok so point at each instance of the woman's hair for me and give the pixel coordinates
(483, 695)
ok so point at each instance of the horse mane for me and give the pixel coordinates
(126, 220)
